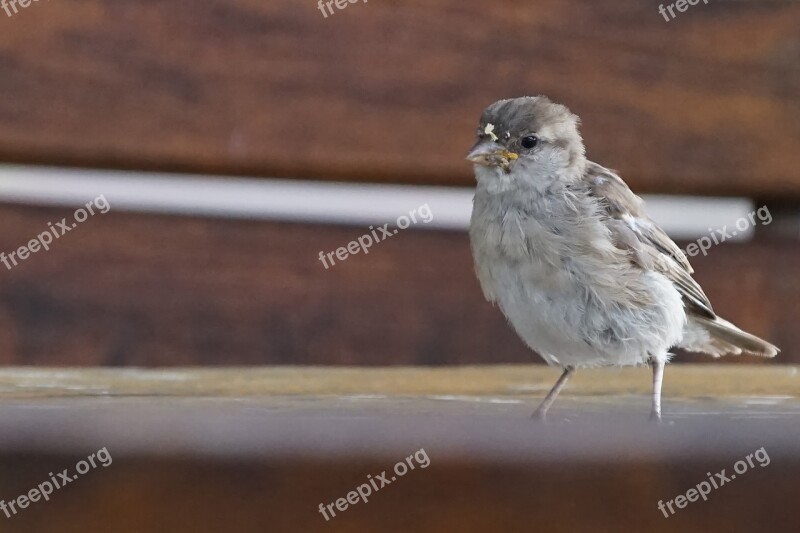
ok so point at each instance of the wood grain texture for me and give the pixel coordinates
(133, 289)
(735, 386)
(254, 450)
(391, 91)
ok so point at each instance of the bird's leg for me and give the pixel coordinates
(658, 378)
(541, 412)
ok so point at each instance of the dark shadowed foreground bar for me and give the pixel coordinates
(250, 450)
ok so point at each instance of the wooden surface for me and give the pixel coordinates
(128, 289)
(243, 449)
(737, 382)
(391, 91)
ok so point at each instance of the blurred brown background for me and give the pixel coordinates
(384, 92)
(388, 92)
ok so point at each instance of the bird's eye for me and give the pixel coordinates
(529, 142)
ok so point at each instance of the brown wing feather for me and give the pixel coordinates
(633, 230)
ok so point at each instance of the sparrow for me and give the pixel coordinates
(567, 252)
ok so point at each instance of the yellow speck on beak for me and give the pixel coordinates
(511, 156)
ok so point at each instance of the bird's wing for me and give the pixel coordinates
(651, 248)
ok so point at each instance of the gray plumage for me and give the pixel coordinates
(568, 253)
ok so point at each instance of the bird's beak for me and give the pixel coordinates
(490, 154)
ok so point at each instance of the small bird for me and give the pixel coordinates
(567, 252)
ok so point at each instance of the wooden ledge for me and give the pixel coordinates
(473, 412)
(258, 449)
(511, 381)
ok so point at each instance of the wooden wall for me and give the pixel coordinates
(132, 289)
(391, 91)
(382, 91)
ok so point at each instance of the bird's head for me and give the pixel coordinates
(525, 138)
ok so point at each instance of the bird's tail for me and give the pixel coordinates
(719, 337)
